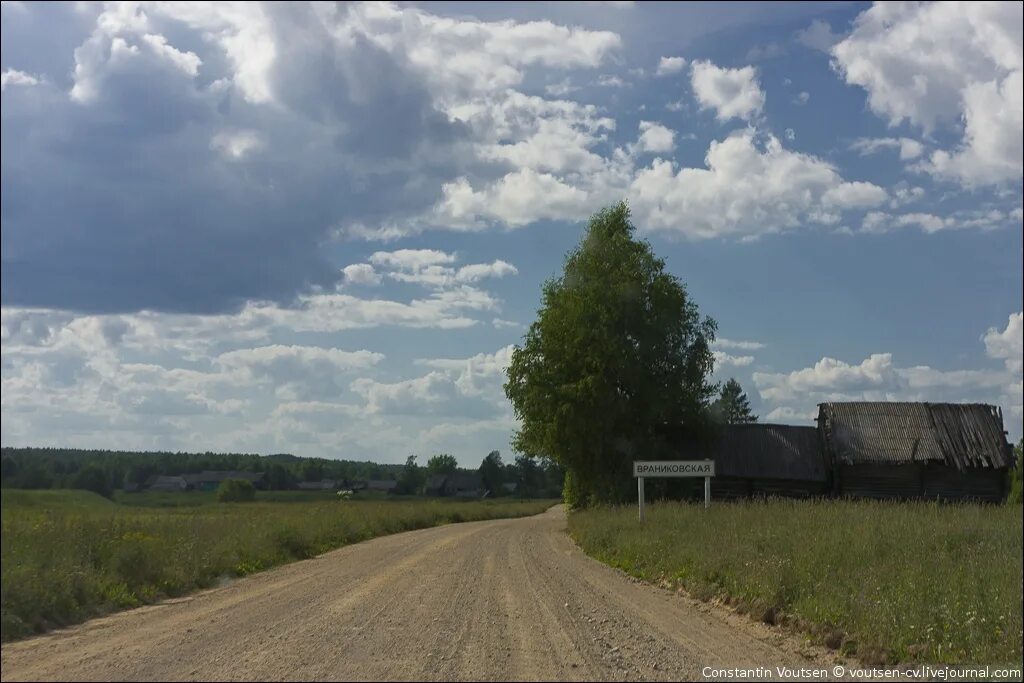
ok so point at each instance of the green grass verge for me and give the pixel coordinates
(172, 499)
(71, 555)
(882, 581)
(51, 499)
(176, 499)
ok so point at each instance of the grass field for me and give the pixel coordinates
(71, 555)
(170, 499)
(882, 581)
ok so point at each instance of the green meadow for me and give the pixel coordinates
(885, 582)
(71, 555)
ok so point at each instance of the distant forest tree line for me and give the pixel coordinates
(530, 477)
(105, 471)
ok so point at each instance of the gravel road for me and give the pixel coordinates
(497, 600)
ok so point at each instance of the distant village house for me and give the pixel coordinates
(203, 481)
(458, 485)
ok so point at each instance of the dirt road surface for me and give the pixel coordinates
(497, 600)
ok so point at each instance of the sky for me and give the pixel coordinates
(321, 229)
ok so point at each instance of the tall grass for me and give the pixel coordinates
(884, 581)
(173, 499)
(68, 556)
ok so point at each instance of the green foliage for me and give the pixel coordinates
(886, 581)
(9, 468)
(278, 477)
(732, 406)
(93, 479)
(1016, 484)
(572, 495)
(554, 477)
(492, 473)
(412, 478)
(32, 475)
(442, 464)
(139, 472)
(528, 475)
(71, 555)
(618, 351)
(312, 470)
(236, 491)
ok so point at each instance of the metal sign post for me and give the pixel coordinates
(640, 495)
(672, 468)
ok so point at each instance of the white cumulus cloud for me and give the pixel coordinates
(908, 147)
(977, 219)
(723, 359)
(361, 274)
(13, 77)
(818, 36)
(655, 137)
(879, 378)
(670, 65)
(945, 63)
(747, 189)
(299, 371)
(723, 343)
(1007, 344)
(411, 259)
(731, 93)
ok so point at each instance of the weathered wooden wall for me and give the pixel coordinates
(929, 481)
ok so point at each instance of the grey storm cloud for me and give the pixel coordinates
(140, 198)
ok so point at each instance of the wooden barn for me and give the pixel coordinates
(754, 460)
(458, 484)
(934, 451)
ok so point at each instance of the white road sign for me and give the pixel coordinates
(674, 468)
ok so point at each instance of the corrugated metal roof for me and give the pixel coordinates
(761, 451)
(959, 435)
